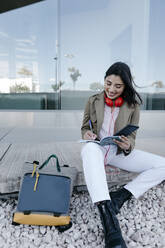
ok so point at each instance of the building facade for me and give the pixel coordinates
(61, 49)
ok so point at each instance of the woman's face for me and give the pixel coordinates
(113, 86)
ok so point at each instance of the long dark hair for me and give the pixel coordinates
(129, 94)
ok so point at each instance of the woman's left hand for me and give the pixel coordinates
(124, 144)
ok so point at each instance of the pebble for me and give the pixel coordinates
(136, 237)
(42, 230)
(130, 232)
(37, 242)
(48, 238)
(162, 240)
(17, 233)
(162, 203)
(159, 192)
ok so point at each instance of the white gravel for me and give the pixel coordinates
(142, 222)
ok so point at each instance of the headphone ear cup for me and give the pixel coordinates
(118, 102)
(109, 102)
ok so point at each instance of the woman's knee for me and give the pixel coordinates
(90, 148)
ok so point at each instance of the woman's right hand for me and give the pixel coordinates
(89, 135)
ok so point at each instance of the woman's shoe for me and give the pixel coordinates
(119, 197)
(112, 231)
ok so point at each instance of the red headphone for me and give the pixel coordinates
(117, 103)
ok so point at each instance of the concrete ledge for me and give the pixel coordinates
(57, 132)
(67, 152)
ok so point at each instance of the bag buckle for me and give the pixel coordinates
(35, 165)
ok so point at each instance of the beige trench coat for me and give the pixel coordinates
(94, 111)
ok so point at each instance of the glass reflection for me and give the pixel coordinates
(28, 37)
(55, 52)
(99, 33)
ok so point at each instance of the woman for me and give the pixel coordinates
(106, 113)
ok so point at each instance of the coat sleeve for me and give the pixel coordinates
(134, 121)
(85, 124)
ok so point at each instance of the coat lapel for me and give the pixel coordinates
(99, 106)
(123, 117)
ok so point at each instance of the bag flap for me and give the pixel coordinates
(52, 194)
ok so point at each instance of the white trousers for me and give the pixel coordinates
(151, 166)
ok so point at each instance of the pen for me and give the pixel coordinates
(90, 125)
